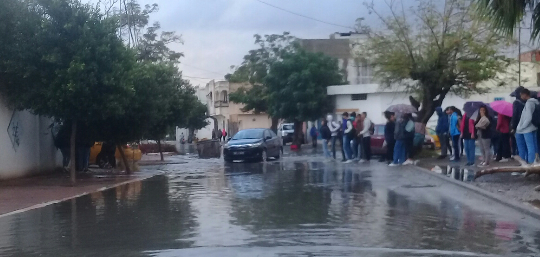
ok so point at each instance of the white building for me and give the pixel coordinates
(26, 144)
(364, 94)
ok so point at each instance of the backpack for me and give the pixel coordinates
(536, 116)
(351, 133)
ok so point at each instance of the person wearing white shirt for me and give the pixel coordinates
(334, 131)
(366, 137)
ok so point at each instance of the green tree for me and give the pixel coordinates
(433, 51)
(76, 69)
(507, 14)
(255, 68)
(297, 88)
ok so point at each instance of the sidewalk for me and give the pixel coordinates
(33, 192)
(513, 187)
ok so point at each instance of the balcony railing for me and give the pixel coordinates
(221, 104)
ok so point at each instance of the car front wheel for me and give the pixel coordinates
(264, 155)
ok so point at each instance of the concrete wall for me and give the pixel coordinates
(30, 148)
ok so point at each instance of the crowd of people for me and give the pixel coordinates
(499, 136)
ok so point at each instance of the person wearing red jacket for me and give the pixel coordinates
(503, 127)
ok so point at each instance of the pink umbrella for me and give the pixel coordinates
(502, 107)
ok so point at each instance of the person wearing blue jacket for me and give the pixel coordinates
(443, 132)
(454, 131)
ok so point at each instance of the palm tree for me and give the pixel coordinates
(507, 14)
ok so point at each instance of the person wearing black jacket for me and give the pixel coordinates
(517, 109)
(389, 130)
(326, 136)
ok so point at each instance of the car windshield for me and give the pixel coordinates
(288, 127)
(248, 134)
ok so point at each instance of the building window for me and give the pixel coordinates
(358, 97)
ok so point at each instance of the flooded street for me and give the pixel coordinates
(298, 206)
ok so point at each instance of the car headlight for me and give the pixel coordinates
(226, 146)
(254, 144)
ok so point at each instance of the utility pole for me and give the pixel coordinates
(519, 54)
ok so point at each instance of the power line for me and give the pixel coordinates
(304, 16)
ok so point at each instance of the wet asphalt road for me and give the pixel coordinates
(298, 206)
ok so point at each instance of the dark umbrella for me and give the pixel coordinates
(401, 109)
(534, 94)
(470, 107)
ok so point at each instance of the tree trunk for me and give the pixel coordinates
(527, 169)
(274, 125)
(159, 149)
(73, 153)
(297, 138)
(124, 159)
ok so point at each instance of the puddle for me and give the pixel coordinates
(456, 173)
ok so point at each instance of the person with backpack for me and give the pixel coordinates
(483, 124)
(401, 135)
(366, 133)
(526, 131)
(442, 130)
(326, 136)
(348, 134)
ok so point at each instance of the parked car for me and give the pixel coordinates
(132, 153)
(377, 141)
(286, 133)
(431, 132)
(253, 145)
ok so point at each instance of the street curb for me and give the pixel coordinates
(520, 206)
(37, 206)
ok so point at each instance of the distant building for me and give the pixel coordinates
(364, 94)
(227, 114)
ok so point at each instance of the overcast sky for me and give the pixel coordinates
(218, 33)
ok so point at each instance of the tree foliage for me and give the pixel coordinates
(297, 87)
(433, 51)
(507, 14)
(255, 68)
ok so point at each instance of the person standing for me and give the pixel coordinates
(359, 127)
(526, 135)
(354, 143)
(334, 130)
(468, 135)
(443, 132)
(517, 109)
(326, 137)
(314, 135)
(366, 133)
(389, 130)
(483, 124)
(400, 136)
(348, 133)
(503, 147)
(224, 134)
(454, 131)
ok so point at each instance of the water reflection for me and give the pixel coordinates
(268, 209)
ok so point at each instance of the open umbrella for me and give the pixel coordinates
(401, 109)
(502, 107)
(470, 107)
(475, 114)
